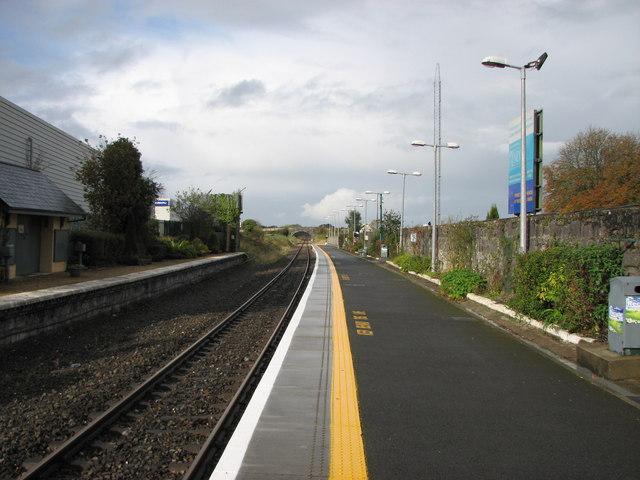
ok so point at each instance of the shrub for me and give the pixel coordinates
(252, 229)
(266, 250)
(179, 248)
(200, 247)
(102, 248)
(567, 286)
(413, 263)
(456, 284)
(157, 250)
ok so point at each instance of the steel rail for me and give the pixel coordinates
(199, 468)
(75, 443)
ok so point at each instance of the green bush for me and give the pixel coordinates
(567, 286)
(102, 248)
(200, 247)
(157, 250)
(252, 229)
(413, 263)
(456, 284)
(179, 248)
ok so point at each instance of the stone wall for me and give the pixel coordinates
(494, 243)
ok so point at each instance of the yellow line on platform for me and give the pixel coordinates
(347, 460)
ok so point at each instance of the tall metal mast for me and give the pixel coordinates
(437, 140)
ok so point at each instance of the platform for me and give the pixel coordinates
(303, 421)
(441, 393)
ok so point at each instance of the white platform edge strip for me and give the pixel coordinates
(230, 462)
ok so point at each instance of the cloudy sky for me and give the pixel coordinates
(307, 104)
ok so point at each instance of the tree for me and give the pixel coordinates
(391, 229)
(349, 220)
(200, 211)
(228, 208)
(596, 169)
(252, 229)
(493, 213)
(119, 195)
(195, 208)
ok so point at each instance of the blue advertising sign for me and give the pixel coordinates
(515, 152)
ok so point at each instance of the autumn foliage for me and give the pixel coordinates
(597, 169)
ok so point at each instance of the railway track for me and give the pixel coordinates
(176, 422)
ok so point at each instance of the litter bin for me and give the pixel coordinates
(624, 315)
(384, 251)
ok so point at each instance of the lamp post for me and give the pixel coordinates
(404, 179)
(336, 229)
(499, 62)
(353, 221)
(330, 234)
(328, 218)
(365, 200)
(379, 194)
(344, 219)
(436, 195)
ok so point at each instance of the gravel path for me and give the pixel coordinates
(52, 383)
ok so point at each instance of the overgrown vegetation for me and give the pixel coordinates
(413, 263)
(493, 213)
(184, 248)
(266, 249)
(564, 285)
(567, 286)
(252, 230)
(205, 213)
(461, 243)
(456, 284)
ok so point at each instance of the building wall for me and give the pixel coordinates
(48, 263)
(28, 141)
(11, 225)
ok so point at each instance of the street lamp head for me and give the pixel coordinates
(452, 145)
(417, 174)
(392, 172)
(371, 192)
(418, 143)
(499, 62)
(537, 64)
(494, 62)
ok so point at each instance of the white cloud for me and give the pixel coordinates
(331, 205)
(308, 103)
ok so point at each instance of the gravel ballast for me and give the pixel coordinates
(51, 384)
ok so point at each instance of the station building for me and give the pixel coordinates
(39, 195)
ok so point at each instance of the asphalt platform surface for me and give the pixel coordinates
(444, 394)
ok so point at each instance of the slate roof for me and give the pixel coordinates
(29, 192)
